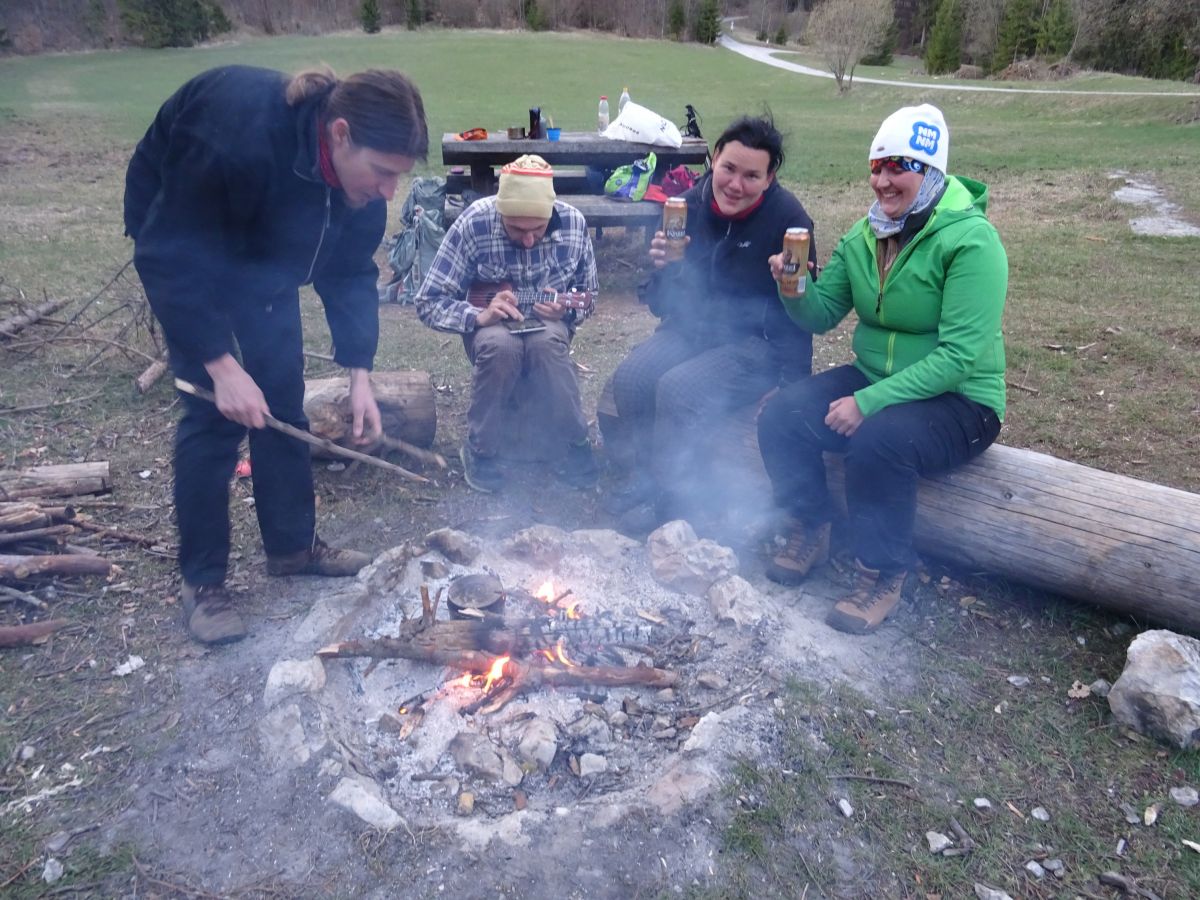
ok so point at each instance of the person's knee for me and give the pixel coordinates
(495, 349)
(880, 444)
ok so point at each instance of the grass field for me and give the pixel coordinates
(1103, 332)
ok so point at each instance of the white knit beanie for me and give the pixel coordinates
(526, 188)
(918, 132)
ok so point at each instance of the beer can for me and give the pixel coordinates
(795, 262)
(675, 227)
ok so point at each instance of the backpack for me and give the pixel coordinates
(630, 182)
(677, 180)
(411, 251)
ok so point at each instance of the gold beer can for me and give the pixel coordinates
(795, 262)
(675, 227)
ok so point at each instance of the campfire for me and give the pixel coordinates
(503, 656)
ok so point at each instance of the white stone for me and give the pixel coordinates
(478, 755)
(937, 841)
(1019, 681)
(1040, 813)
(293, 676)
(365, 800)
(682, 562)
(1056, 866)
(983, 892)
(710, 727)
(542, 545)
(604, 543)
(736, 600)
(282, 739)
(1158, 693)
(845, 808)
(1185, 796)
(1034, 868)
(539, 743)
(592, 764)
(456, 546)
(982, 803)
(52, 871)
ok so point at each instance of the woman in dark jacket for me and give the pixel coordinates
(248, 185)
(725, 340)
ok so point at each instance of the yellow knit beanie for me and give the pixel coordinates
(526, 188)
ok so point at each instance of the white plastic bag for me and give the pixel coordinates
(636, 123)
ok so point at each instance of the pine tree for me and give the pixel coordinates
(368, 14)
(1056, 32)
(1018, 37)
(781, 36)
(707, 27)
(414, 14)
(676, 19)
(944, 51)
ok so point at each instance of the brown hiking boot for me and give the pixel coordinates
(806, 548)
(875, 597)
(320, 560)
(209, 614)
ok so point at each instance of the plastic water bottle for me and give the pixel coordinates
(602, 115)
(624, 99)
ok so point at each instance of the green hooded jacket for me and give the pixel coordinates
(934, 324)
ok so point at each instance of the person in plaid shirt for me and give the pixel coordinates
(523, 241)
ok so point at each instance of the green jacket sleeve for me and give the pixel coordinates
(972, 305)
(825, 302)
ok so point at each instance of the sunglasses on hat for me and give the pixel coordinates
(896, 164)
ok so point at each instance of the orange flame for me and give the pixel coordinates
(561, 653)
(495, 673)
(546, 592)
(573, 610)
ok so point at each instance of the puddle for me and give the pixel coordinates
(1164, 220)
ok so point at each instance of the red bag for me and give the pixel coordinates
(677, 180)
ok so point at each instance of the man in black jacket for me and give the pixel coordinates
(249, 184)
(725, 340)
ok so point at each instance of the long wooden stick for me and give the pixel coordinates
(327, 445)
(10, 326)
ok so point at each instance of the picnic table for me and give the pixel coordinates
(571, 155)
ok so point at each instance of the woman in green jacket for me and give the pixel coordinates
(926, 273)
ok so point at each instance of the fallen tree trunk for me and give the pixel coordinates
(18, 568)
(55, 481)
(23, 635)
(406, 403)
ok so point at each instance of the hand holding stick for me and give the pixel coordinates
(299, 434)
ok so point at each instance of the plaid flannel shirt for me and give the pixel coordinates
(477, 249)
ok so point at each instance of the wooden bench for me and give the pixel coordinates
(601, 212)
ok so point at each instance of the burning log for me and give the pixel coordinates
(55, 481)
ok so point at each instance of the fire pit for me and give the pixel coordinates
(606, 678)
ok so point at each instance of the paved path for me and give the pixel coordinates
(764, 55)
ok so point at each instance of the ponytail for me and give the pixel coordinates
(310, 83)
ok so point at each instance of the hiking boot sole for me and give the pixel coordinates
(474, 483)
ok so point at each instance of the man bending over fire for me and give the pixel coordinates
(515, 275)
(249, 184)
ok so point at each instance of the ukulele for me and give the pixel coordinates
(480, 294)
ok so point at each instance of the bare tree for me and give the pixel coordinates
(844, 30)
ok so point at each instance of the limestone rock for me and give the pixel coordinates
(592, 764)
(539, 743)
(736, 600)
(710, 727)
(456, 546)
(383, 574)
(983, 892)
(1185, 796)
(937, 841)
(293, 676)
(604, 543)
(542, 545)
(281, 736)
(1158, 693)
(365, 800)
(683, 562)
(478, 755)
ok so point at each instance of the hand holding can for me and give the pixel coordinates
(793, 281)
(675, 227)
